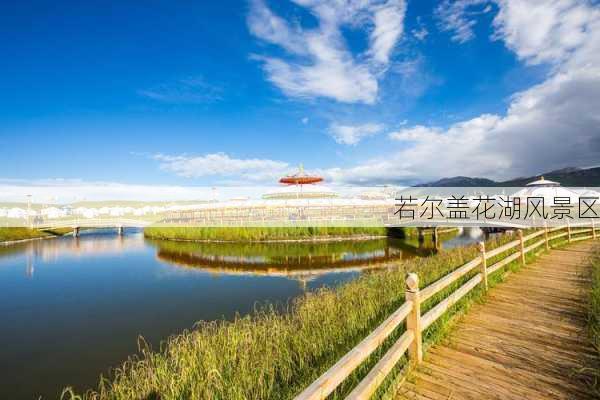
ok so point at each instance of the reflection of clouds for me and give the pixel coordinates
(368, 255)
(30, 268)
(465, 237)
(472, 233)
(51, 250)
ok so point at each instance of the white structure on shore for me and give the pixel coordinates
(300, 192)
(548, 190)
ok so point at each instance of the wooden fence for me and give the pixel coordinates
(416, 322)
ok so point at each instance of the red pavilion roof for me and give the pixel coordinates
(300, 178)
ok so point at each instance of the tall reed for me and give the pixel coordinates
(594, 306)
(257, 233)
(269, 354)
(21, 233)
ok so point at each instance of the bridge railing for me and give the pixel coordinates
(416, 322)
(91, 223)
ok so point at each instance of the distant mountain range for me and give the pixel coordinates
(566, 177)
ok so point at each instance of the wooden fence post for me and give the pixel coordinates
(413, 320)
(568, 232)
(484, 274)
(522, 246)
(546, 235)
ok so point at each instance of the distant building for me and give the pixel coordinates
(548, 190)
(300, 192)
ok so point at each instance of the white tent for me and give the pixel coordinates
(548, 190)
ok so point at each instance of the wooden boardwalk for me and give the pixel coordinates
(527, 341)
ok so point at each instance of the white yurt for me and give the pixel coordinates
(300, 192)
(547, 189)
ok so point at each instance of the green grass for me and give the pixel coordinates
(271, 355)
(594, 310)
(12, 234)
(290, 249)
(260, 233)
(270, 250)
(594, 313)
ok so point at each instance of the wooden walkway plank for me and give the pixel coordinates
(498, 378)
(528, 340)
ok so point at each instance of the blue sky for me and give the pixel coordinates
(383, 91)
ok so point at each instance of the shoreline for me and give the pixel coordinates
(314, 239)
(356, 238)
(43, 235)
(11, 242)
(269, 234)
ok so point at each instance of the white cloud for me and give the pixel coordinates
(319, 63)
(417, 132)
(188, 90)
(457, 17)
(352, 134)
(537, 31)
(420, 33)
(376, 171)
(334, 76)
(273, 29)
(548, 31)
(220, 165)
(388, 20)
(60, 191)
(551, 125)
(305, 120)
(414, 77)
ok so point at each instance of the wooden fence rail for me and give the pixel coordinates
(416, 322)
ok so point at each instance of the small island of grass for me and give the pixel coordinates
(262, 233)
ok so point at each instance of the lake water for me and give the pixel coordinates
(74, 307)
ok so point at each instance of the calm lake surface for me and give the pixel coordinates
(74, 307)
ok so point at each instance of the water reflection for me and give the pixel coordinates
(464, 237)
(74, 307)
(301, 261)
(94, 243)
(285, 259)
(266, 258)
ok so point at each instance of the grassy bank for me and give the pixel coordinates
(260, 233)
(13, 234)
(268, 355)
(594, 313)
